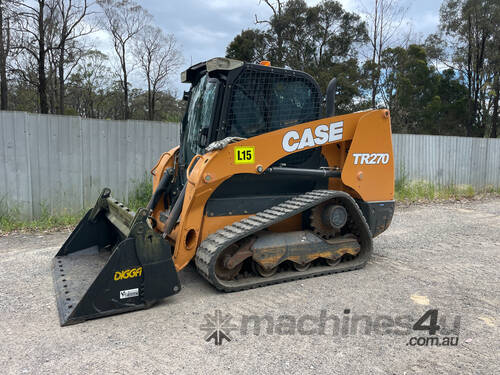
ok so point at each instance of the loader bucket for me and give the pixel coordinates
(113, 262)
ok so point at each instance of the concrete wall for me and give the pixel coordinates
(60, 163)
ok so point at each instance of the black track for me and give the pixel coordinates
(216, 243)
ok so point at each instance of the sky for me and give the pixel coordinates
(204, 28)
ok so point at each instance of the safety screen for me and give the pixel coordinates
(266, 100)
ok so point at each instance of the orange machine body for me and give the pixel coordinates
(357, 144)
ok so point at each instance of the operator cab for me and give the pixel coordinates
(230, 98)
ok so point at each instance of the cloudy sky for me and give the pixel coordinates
(204, 28)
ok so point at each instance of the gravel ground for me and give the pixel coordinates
(442, 256)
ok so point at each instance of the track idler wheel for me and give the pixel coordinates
(222, 266)
(333, 262)
(264, 272)
(301, 267)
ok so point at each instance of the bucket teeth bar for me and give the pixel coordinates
(113, 262)
(116, 212)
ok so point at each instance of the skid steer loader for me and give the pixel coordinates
(267, 186)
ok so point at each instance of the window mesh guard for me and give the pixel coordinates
(263, 101)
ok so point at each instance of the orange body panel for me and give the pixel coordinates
(369, 131)
(373, 181)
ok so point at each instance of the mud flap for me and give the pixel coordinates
(113, 262)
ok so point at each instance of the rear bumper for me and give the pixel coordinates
(378, 215)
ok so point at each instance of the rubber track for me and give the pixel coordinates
(214, 244)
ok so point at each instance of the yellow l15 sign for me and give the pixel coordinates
(244, 155)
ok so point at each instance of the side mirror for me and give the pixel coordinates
(186, 95)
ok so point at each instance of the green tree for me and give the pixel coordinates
(158, 58)
(421, 99)
(124, 20)
(384, 20)
(250, 45)
(69, 20)
(276, 23)
(88, 86)
(321, 40)
(6, 15)
(36, 24)
(468, 42)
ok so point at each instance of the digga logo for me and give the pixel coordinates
(128, 274)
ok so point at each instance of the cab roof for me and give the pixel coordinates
(217, 63)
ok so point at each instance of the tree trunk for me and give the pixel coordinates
(52, 88)
(125, 96)
(494, 120)
(4, 99)
(375, 34)
(4, 49)
(125, 85)
(478, 83)
(153, 101)
(42, 79)
(61, 75)
(150, 104)
(470, 117)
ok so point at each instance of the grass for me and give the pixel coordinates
(10, 220)
(141, 195)
(422, 190)
(406, 191)
(414, 191)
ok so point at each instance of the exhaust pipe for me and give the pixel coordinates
(330, 97)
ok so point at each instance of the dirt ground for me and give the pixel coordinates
(441, 256)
